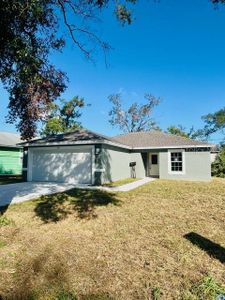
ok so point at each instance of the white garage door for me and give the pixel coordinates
(61, 165)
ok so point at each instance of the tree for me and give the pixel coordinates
(136, 118)
(182, 131)
(214, 122)
(218, 166)
(64, 117)
(218, 1)
(178, 130)
(31, 32)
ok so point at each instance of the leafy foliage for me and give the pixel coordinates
(214, 122)
(218, 1)
(136, 118)
(31, 33)
(63, 118)
(218, 166)
(25, 43)
(182, 131)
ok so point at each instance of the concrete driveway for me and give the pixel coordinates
(24, 191)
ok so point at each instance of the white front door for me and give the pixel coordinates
(153, 164)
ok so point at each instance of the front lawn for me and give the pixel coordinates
(164, 240)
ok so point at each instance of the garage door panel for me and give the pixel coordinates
(44, 167)
(62, 166)
(75, 164)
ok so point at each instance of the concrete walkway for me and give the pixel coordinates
(133, 185)
(122, 188)
(24, 191)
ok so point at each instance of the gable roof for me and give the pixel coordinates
(77, 137)
(9, 139)
(157, 139)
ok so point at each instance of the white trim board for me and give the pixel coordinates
(183, 162)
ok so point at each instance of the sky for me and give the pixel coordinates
(174, 49)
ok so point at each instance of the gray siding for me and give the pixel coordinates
(197, 167)
(115, 164)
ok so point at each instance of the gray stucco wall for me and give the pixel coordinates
(197, 167)
(140, 167)
(115, 164)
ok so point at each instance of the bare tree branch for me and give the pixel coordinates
(136, 117)
(73, 29)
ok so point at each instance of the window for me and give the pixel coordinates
(176, 160)
(154, 159)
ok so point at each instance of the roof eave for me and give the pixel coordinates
(11, 146)
(172, 147)
(78, 143)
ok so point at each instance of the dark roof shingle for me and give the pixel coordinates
(78, 136)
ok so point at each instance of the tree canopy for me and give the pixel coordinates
(138, 117)
(187, 133)
(218, 166)
(63, 117)
(214, 122)
(31, 30)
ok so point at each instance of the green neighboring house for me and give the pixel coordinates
(11, 155)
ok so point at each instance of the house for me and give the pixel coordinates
(87, 157)
(11, 155)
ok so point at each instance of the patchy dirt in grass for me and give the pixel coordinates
(155, 241)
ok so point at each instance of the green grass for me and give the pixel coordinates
(207, 288)
(2, 244)
(4, 221)
(121, 182)
(163, 240)
(10, 179)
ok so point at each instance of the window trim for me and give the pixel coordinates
(182, 151)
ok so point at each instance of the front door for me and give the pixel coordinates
(154, 164)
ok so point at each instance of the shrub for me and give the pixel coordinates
(218, 166)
